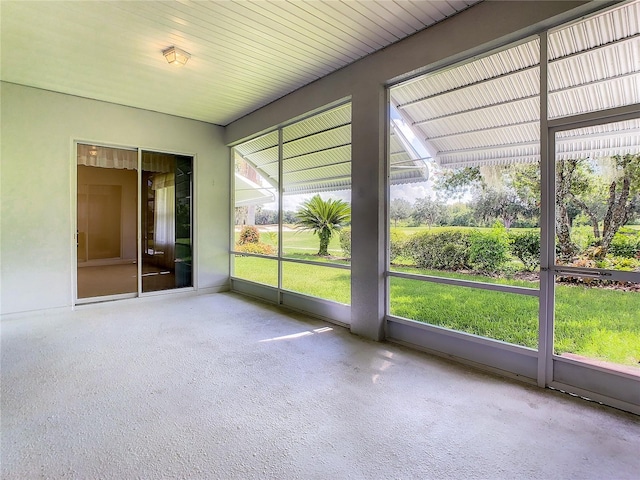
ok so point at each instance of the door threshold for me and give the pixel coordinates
(108, 298)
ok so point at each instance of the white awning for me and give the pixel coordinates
(316, 155)
(487, 111)
(250, 193)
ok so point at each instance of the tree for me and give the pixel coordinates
(572, 179)
(621, 195)
(266, 217)
(323, 218)
(459, 182)
(504, 205)
(426, 210)
(608, 199)
(606, 191)
(459, 215)
(399, 209)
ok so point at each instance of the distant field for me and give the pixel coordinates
(295, 241)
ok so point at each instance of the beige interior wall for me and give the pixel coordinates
(128, 181)
(37, 245)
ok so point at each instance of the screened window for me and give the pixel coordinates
(292, 210)
(473, 216)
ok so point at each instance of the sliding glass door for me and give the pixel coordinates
(166, 221)
(107, 198)
(119, 202)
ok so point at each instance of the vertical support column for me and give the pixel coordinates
(367, 210)
(547, 226)
(139, 225)
(280, 212)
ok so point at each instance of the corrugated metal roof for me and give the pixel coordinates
(250, 193)
(316, 155)
(617, 138)
(487, 111)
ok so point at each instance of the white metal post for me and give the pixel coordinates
(547, 226)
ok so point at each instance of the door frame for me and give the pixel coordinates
(73, 177)
(618, 389)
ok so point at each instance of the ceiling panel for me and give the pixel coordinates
(245, 54)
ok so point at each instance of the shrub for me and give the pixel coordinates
(444, 250)
(593, 258)
(489, 251)
(625, 245)
(258, 248)
(397, 237)
(526, 247)
(249, 234)
(624, 264)
(397, 240)
(345, 242)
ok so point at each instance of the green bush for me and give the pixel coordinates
(489, 251)
(526, 247)
(397, 237)
(398, 240)
(624, 264)
(257, 248)
(345, 242)
(625, 244)
(249, 234)
(443, 250)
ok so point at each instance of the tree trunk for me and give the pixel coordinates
(618, 211)
(564, 171)
(325, 236)
(592, 216)
(567, 248)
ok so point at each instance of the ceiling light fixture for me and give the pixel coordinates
(175, 56)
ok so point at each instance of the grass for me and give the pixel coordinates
(256, 269)
(502, 316)
(594, 322)
(322, 282)
(466, 276)
(598, 323)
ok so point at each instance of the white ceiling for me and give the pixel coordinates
(245, 54)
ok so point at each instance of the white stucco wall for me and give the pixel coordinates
(37, 178)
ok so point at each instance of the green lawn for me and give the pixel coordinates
(322, 282)
(501, 316)
(297, 242)
(594, 322)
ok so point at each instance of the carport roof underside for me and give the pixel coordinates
(482, 112)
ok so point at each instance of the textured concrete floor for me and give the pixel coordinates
(221, 387)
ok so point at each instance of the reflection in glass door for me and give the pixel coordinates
(166, 221)
(597, 251)
(106, 221)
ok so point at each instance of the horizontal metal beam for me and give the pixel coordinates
(467, 283)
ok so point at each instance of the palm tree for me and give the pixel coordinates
(324, 218)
